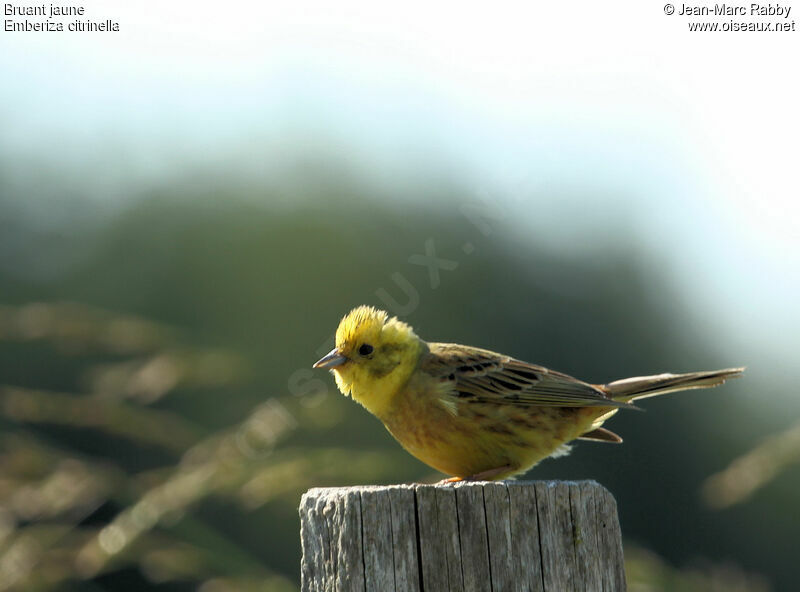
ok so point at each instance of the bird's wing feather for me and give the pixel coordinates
(487, 377)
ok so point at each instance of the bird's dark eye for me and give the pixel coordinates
(365, 349)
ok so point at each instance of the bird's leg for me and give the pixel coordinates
(482, 476)
(449, 480)
(488, 475)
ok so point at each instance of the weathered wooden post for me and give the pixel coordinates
(550, 536)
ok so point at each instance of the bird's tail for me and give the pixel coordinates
(641, 387)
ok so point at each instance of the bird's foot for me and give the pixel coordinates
(449, 480)
(482, 476)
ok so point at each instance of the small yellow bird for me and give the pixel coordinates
(473, 413)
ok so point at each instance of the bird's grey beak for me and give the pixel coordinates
(333, 359)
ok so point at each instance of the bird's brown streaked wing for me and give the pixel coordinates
(488, 377)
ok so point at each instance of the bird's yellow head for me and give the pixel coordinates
(374, 356)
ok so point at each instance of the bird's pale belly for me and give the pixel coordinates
(498, 439)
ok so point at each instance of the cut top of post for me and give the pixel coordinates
(509, 535)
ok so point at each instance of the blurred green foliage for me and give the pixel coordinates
(159, 419)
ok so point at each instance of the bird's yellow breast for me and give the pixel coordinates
(469, 438)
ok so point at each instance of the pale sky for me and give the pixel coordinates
(615, 101)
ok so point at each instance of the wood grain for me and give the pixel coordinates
(543, 536)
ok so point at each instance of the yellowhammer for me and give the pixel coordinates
(476, 414)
